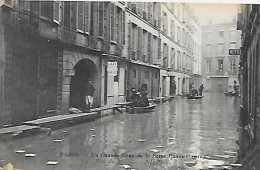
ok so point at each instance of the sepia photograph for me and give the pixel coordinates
(138, 85)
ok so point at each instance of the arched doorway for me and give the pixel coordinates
(85, 69)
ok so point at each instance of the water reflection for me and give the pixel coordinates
(181, 130)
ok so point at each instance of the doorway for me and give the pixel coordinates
(85, 69)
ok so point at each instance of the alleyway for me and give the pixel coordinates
(180, 134)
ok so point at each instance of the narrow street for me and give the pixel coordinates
(180, 134)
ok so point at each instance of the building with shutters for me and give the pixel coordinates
(163, 47)
(51, 48)
(220, 69)
(249, 77)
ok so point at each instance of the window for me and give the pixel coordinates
(139, 78)
(232, 45)
(165, 55)
(232, 64)
(134, 73)
(145, 46)
(221, 34)
(179, 60)
(165, 22)
(134, 40)
(149, 48)
(147, 75)
(179, 35)
(208, 66)
(159, 48)
(221, 48)
(208, 36)
(56, 11)
(92, 18)
(220, 65)
(173, 59)
(139, 42)
(172, 30)
(233, 34)
(46, 9)
(119, 22)
(113, 23)
(87, 14)
(123, 28)
(183, 36)
(80, 16)
(100, 18)
(208, 49)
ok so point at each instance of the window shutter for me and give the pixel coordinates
(112, 24)
(73, 15)
(100, 18)
(87, 14)
(129, 39)
(80, 16)
(139, 43)
(159, 48)
(56, 11)
(123, 28)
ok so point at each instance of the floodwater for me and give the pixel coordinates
(180, 134)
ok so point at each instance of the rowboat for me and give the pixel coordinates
(194, 97)
(230, 93)
(144, 109)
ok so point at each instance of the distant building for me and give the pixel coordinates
(219, 69)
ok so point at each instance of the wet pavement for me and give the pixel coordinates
(180, 134)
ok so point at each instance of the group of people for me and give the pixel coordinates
(195, 92)
(139, 98)
(233, 89)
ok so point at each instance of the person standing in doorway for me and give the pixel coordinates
(89, 94)
(201, 89)
(235, 87)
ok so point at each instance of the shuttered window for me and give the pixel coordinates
(159, 48)
(92, 22)
(100, 18)
(87, 18)
(139, 43)
(113, 23)
(80, 16)
(123, 28)
(46, 9)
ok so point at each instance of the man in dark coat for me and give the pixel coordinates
(201, 89)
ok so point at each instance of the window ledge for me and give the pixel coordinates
(113, 42)
(100, 38)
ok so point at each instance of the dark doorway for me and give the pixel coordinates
(172, 85)
(84, 70)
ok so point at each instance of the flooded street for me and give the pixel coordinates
(180, 134)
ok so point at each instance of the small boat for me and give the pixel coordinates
(194, 97)
(144, 109)
(230, 93)
(164, 99)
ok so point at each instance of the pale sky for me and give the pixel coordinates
(214, 12)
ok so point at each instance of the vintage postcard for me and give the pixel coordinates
(111, 85)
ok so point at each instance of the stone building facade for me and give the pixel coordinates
(51, 49)
(219, 69)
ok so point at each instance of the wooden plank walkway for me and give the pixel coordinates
(15, 129)
(58, 118)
